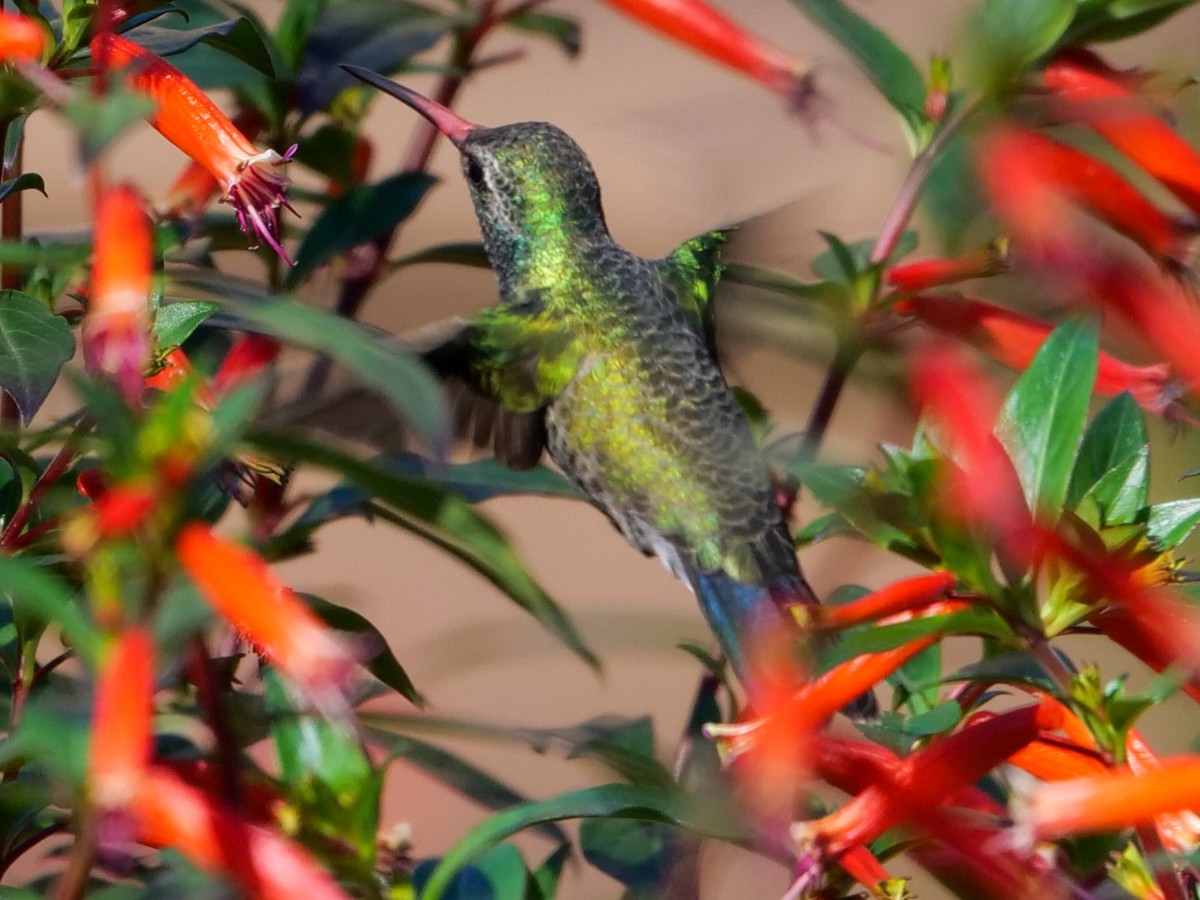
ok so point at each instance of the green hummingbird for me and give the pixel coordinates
(607, 360)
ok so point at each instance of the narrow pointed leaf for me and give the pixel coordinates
(175, 322)
(605, 801)
(1169, 523)
(28, 181)
(1116, 435)
(889, 68)
(361, 215)
(445, 520)
(1041, 424)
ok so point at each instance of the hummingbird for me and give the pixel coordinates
(607, 361)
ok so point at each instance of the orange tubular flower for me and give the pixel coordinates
(901, 596)
(21, 39)
(1050, 758)
(171, 813)
(121, 725)
(1048, 167)
(196, 186)
(1179, 831)
(251, 179)
(704, 29)
(1013, 338)
(923, 274)
(1110, 802)
(116, 329)
(1104, 99)
(241, 588)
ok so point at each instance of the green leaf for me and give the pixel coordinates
(1169, 523)
(310, 747)
(175, 322)
(25, 182)
(483, 479)
(1013, 667)
(563, 30)
(1041, 424)
(1122, 493)
(295, 25)
(916, 682)
(29, 254)
(460, 253)
(940, 719)
(100, 120)
(329, 151)
(889, 68)
(779, 283)
(363, 214)
(637, 854)
(1114, 437)
(544, 883)
(236, 37)
(498, 874)
(34, 345)
(1021, 31)
(877, 638)
(380, 363)
(445, 520)
(381, 662)
(1120, 20)
(605, 801)
(454, 772)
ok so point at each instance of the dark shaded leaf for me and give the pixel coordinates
(1042, 421)
(1014, 667)
(563, 30)
(236, 37)
(498, 874)
(544, 881)
(605, 801)
(29, 254)
(295, 25)
(876, 638)
(1120, 20)
(361, 215)
(952, 196)
(1122, 493)
(380, 35)
(483, 479)
(470, 781)
(466, 253)
(26, 182)
(445, 520)
(889, 68)
(378, 362)
(637, 854)
(377, 657)
(329, 151)
(34, 345)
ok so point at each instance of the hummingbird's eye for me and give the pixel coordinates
(475, 172)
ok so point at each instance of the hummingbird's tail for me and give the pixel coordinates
(747, 619)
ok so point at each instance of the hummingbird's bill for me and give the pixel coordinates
(445, 120)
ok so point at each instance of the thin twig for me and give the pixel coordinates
(200, 672)
(73, 882)
(902, 209)
(56, 468)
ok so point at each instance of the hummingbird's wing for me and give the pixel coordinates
(691, 271)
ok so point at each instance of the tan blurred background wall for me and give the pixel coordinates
(680, 146)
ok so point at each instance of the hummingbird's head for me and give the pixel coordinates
(530, 181)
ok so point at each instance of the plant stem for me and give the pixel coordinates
(73, 882)
(23, 847)
(50, 475)
(200, 672)
(840, 367)
(902, 209)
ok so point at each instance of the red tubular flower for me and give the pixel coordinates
(704, 29)
(942, 769)
(1179, 831)
(923, 274)
(21, 39)
(1104, 99)
(251, 179)
(1013, 338)
(171, 813)
(247, 357)
(196, 187)
(116, 329)
(121, 725)
(901, 596)
(1050, 758)
(1122, 628)
(861, 865)
(983, 487)
(1048, 169)
(1113, 801)
(241, 588)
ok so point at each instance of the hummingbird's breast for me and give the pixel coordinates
(649, 429)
